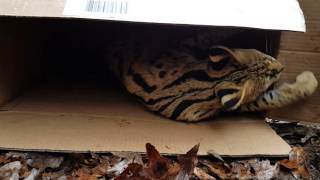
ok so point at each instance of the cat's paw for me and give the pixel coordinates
(308, 82)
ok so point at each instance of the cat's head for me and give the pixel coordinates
(254, 74)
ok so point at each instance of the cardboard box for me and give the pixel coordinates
(56, 95)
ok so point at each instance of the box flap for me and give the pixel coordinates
(82, 120)
(264, 14)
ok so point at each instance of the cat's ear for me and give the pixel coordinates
(232, 95)
(218, 53)
(242, 56)
(219, 57)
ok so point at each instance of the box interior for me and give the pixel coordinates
(57, 95)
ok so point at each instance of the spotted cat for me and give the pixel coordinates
(181, 85)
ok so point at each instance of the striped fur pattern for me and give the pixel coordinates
(183, 85)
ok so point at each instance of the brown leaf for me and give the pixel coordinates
(217, 156)
(201, 174)
(174, 169)
(43, 161)
(134, 171)
(101, 169)
(218, 169)
(52, 175)
(263, 169)
(131, 157)
(4, 160)
(240, 170)
(254, 169)
(102, 165)
(158, 166)
(298, 154)
(188, 162)
(120, 161)
(84, 174)
(24, 171)
(288, 164)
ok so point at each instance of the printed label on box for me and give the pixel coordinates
(263, 14)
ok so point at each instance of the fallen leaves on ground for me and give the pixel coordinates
(153, 166)
(243, 169)
(162, 168)
(304, 137)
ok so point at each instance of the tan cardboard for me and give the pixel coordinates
(75, 121)
(295, 62)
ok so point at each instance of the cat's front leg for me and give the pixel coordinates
(305, 85)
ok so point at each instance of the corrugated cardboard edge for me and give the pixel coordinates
(77, 133)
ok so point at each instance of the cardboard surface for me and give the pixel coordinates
(286, 14)
(85, 120)
(305, 42)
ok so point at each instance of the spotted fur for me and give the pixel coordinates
(182, 85)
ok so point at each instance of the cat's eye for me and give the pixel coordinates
(216, 52)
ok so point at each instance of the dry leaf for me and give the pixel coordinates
(246, 169)
(53, 175)
(201, 174)
(84, 174)
(189, 160)
(288, 164)
(131, 157)
(217, 156)
(4, 159)
(174, 169)
(101, 169)
(158, 166)
(118, 168)
(126, 158)
(17, 155)
(240, 170)
(134, 171)
(298, 154)
(33, 174)
(10, 170)
(263, 169)
(218, 169)
(254, 169)
(187, 163)
(43, 161)
(308, 136)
